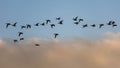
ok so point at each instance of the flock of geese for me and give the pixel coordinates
(60, 21)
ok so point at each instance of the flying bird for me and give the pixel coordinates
(80, 20)
(52, 25)
(48, 21)
(114, 25)
(100, 25)
(55, 35)
(60, 22)
(37, 44)
(75, 19)
(14, 24)
(23, 27)
(76, 23)
(15, 41)
(42, 24)
(85, 25)
(37, 24)
(93, 25)
(7, 24)
(28, 26)
(21, 38)
(109, 23)
(58, 18)
(20, 33)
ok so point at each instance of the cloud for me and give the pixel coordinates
(75, 53)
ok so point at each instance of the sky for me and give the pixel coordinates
(75, 47)
(33, 11)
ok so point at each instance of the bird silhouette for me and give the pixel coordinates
(58, 18)
(37, 24)
(37, 44)
(7, 24)
(80, 20)
(113, 22)
(20, 33)
(76, 23)
(60, 22)
(28, 26)
(109, 23)
(48, 21)
(15, 41)
(21, 38)
(55, 35)
(114, 25)
(75, 19)
(85, 25)
(14, 24)
(93, 25)
(52, 25)
(23, 27)
(42, 24)
(100, 25)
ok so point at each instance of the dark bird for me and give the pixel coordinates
(21, 38)
(75, 19)
(37, 44)
(14, 24)
(114, 25)
(60, 22)
(76, 23)
(7, 24)
(28, 26)
(55, 35)
(85, 25)
(100, 25)
(42, 24)
(109, 23)
(52, 25)
(93, 25)
(58, 18)
(48, 21)
(80, 20)
(20, 33)
(23, 27)
(37, 24)
(15, 41)
(113, 22)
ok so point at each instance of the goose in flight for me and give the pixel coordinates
(75, 19)
(100, 25)
(23, 27)
(93, 25)
(52, 25)
(60, 22)
(21, 38)
(109, 23)
(42, 24)
(20, 33)
(7, 24)
(55, 35)
(37, 24)
(80, 20)
(28, 26)
(58, 18)
(37, 44)
(114, 25)
(48, 21)
(76, 23)
(85, 25)
(14, 24)
(15, 41)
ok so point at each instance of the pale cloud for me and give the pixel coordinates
(76, 53)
